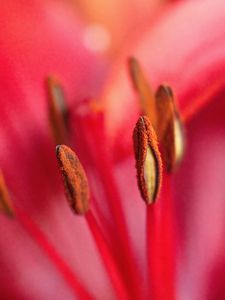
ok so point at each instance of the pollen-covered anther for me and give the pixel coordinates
(58, 112)
(148, 160)
(74, 178)
(143, 89)
(6, 206)
(169, 128)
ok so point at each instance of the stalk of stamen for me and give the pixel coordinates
(127, 257)
(168, 235)
(154, 253)
(58, 113)
(103, 165)
(107, 258)
(68, 275)
(144, 90)
(161, 247)
(77, 192)
(39, 237)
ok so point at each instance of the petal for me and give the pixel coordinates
(38, 39)
(25, 272)
(199, 197)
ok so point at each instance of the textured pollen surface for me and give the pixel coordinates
(75, 180)
(145, 145)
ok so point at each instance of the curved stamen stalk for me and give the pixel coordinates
(39, 237)
(107, 257)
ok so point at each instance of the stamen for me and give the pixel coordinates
(169, 128)
(75, 180)
(58, 113)
(148, 160)
(144, 90)
(107, 257)
(6, 206)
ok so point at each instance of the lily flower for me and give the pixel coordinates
(112, 245)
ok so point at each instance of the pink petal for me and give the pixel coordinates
(25, 272)
(38, 39)
(199, 197)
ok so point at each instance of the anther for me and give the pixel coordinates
(58, 113)
(6, 206)
(169, 128)
(143, 89)
(148, 160)
(74, 178)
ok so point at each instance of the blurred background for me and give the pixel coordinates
(111, 23)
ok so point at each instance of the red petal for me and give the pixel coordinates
(199, 194)
(38, 39)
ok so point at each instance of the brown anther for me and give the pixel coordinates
(169, 128)
(58, 113)
(148, 160)
(144, 90)
(75, 180)
(6, 206)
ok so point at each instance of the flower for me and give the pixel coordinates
(47, 252)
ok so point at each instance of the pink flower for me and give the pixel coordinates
(46, 251)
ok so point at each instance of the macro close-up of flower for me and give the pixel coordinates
(112, 150)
